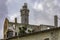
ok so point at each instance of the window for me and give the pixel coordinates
(46, 39)
(15, 33)
(9, 34)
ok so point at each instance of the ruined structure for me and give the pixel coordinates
(13, 29)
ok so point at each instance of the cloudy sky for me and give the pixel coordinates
(41, 11)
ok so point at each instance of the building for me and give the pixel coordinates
(14, 30)
(50, 34)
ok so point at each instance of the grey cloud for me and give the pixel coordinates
(46, 14)
(3, 14)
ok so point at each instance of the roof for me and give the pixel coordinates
(47, 25)
(21, 24)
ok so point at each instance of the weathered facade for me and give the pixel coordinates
(50, 34)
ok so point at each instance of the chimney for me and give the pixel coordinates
(15, 26)
(56, 21)
(15, 22)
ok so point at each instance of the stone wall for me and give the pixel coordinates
(52, 34)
